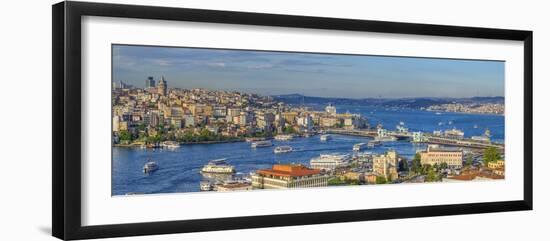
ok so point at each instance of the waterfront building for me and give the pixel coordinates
(290, 117)
(329, 121)
(116, 121)
(386, 165)
(435, 154)
(330, 161)
(330, 110)
(150, 82)
(288, 176)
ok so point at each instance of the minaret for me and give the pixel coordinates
(162, 87)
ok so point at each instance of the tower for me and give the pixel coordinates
(162, 87)
(149, 82)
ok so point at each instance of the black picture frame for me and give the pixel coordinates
(66, 127)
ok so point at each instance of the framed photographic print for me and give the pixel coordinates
(170, 120)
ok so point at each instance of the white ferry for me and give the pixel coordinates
(330, 161)
(170, 144)
(257, 144)
(325, 137)
(284, 137)
(373, 143)
(283, 149)
(219, 166)
(359, 146)
(150, 167)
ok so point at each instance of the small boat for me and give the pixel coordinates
(170, 144)
(206, 186)
(440, 123)
(257, 144)
(359, 146)
(150, 167)
(438, 113)
(282, 149)
(475, 127)
(325, 137)
(450, 122)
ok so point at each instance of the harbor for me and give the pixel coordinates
(180, 168)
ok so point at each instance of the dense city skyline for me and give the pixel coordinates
(323, 75)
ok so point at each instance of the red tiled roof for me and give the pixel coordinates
(289, 171)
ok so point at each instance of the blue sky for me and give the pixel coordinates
(324, 75)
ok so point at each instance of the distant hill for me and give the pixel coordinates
(414, 103)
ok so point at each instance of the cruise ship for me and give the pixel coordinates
(219, 166)
(325, 137)
(330, 161)
(150, 167)
(257, 144)
(170, 144)
(359, 146)
(284, 137)
(283, 149)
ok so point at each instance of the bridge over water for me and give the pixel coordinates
(427, 138)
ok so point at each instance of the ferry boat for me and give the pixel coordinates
(219, 166)
(282, 149)
(330, 161)
(170, 144)
(325, 137)
(373, 143)
(150, 167)
(283, 137)
(257, 144)
(359, 146)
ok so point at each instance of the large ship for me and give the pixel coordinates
(150, 167)
(325, 137)
(330, 161)
(283, 149)
(219, 166)
(257, 144)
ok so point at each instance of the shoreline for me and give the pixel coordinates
(133, 145)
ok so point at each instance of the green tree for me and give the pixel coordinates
(491, 154)
(124, 135)
(416, 165)
(444, 166)
(381, 180)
